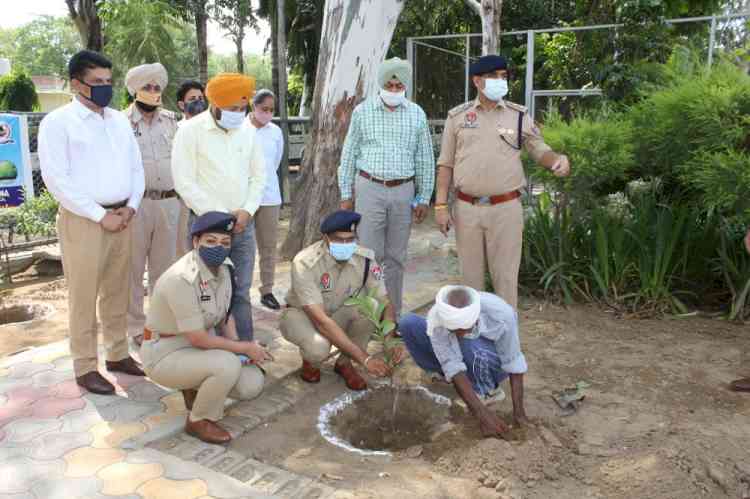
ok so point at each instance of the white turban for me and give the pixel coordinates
(140, 76)
(442, 314)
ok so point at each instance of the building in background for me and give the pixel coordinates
(52, 91)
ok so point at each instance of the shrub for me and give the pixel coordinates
(36, 216)
(18, 93)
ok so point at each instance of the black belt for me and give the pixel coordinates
(387, 183)
(115, 206)
(155, 195)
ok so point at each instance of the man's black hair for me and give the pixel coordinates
(187, 86)
(85, 60)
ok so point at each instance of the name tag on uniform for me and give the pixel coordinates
(470, 120)
(205, 297)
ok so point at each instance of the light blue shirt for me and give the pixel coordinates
(498, 322)
(389, 145)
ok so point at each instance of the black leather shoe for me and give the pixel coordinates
(127, 365)
(269, 301)
(95, 383)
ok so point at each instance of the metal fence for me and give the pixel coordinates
(445, 60)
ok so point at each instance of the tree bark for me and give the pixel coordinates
(240, 54)
(489, 11)
(356, 36)
(274, 53)
(281, 96)
(201, 29)
(87, 22)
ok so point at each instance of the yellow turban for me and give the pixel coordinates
(227, 89)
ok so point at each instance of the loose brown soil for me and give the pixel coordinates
(657, 422)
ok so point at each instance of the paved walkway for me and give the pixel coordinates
(59, 441)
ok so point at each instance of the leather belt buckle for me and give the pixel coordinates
(483, 201)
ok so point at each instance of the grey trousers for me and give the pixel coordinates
(385, 229)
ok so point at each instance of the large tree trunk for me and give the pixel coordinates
(87, 22)
(275, 53)
(356, 36)
(489, 11)
(281, 96)
(201, 28)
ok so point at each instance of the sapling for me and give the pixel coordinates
(372, 309)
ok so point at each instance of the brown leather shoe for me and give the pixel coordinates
(208, 431)
(740, 385)
(310, 373)
(189, 396)
(127, 365)
(96, 383)
(353, 379)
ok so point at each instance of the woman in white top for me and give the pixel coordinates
(267, 216)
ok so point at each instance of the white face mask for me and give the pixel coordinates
(393, 99)
(495, 88)
(231, 119)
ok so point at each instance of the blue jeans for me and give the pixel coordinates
(242, 255)
(479, 355)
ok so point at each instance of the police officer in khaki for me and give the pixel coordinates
(190, 340)
(324, 276)
(480, 159)
(154, 242)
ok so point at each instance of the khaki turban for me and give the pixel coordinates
(395, 68)
(140, 76)
(228, 89)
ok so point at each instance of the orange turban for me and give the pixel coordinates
(227, 89)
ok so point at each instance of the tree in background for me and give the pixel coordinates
(17, 92)
(356, 37)
(236, 17)
(85, 16)
(41, 47)
(489, 11)
(196, 11)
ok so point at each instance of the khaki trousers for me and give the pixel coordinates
(216, 374)
(154, 243)
(266, 233)
(183, 231)
(296, 327)
(490, 236)
(96, 264)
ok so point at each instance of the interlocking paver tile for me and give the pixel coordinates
(164, 488)
(146, 392)
(126, 411)
(68, 389)
(22, 430)
(102, 400)
(110, 435)
(55, 407)
(8, 414)
(25, 370)
(56, 445)
(51, 377)
(19, 474)
(52, 354)
(26, 395)
(87, 461)
(81, 420)
(124, 478)
(63, 364)
(66, 488)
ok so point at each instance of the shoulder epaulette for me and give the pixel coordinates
(517, 107)
(460, 108)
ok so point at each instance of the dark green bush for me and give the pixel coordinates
(18, 93)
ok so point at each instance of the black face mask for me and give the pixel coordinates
(146, 108)
(195, 107)
(101, 95)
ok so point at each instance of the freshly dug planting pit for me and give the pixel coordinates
(15, 314)
(366, 422)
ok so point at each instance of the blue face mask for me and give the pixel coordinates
(101, 95)
(195, 107)
(342, 252)
(495, 88)
(231, 119)
(213, 256)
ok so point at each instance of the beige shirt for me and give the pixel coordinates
(318, 279)
(217, 170)
(155, 142)
(481, 147)
(187, 297)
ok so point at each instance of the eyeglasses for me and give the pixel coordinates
(151, 88)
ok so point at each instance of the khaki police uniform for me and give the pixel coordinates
(189, 297)
(481, 147)
(154, 239)
(318, 279)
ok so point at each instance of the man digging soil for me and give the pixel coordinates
(471, 338)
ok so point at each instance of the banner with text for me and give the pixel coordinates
(16, 181)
